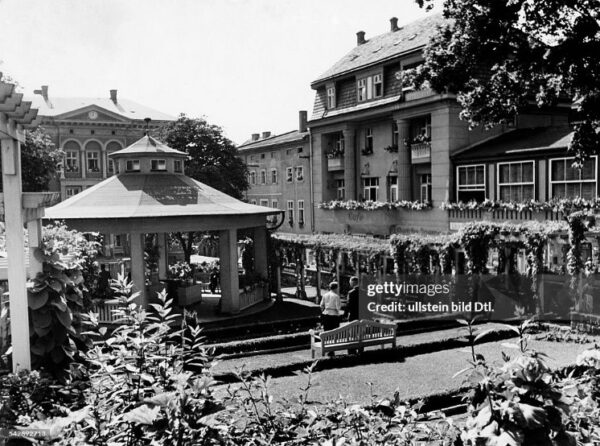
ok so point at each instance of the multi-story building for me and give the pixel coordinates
(375, 140)
(88, 129)
(279, 174)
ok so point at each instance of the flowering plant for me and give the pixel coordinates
(554, 205)
(180, 271)
(375, 205)
(337, 152)
(419, 139)
(393, 148)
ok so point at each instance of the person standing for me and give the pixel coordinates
(331, 308)
(214, 280)
(104, 279)
(352, 309)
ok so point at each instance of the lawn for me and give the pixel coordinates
(415, 377)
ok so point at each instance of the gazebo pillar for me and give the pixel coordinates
(163, 255)
(138, 267)
(260, 251)
(230, 289)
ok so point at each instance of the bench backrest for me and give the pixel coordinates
(356, 331)
(342, 335)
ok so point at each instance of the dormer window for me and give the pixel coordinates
(330, 98)
(369, 87)
(178, 166)
(132, 166)
(160, 165)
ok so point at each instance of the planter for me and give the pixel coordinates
(189, 294)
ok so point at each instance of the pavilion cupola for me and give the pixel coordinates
(149, 156)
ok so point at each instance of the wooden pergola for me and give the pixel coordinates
(150, 194)
(19, 209)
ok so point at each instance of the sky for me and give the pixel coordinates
(245, 65)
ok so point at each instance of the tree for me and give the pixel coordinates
(213, 161)
(40, 160)
(213, 157)
(500, 56)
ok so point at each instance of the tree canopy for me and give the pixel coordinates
(500, 56)
(40, 160)
(213, 157)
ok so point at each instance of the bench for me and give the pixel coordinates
(353, 336)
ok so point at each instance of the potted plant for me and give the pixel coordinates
(188, 292)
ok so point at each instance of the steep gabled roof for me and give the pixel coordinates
(56, 106)
(284, 138)
(406, 39)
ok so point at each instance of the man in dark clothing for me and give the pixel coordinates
(214, 280)
(104, 282)
(352, 309)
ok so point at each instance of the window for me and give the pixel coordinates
(331, 97)
(299, 173)
(340, 144)
(72, 190)
(262, 156)
(340, 187)
(393, 194)
(362, 90)
(395, 137)
(253, 201)
(273, 176)
(159, 164)
(274, 204)
(272, 154)
(263, 177)
(178, 166)
(369, 87)
(264, 202)
(72, 161)
(289, 174)
(569, 182)
(470, 183)
(132, 166)
(300, 212)
(425, 192)
(516, 181)
(420, 129)
(118, 241)
(111, 166)
(370, 188)
(369, 140)
(377, 86)
(93, 161)
(290, 212)
(253, 177)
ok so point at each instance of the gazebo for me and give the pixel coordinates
(150, 194)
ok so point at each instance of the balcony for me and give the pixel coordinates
(413, 95)
(459, 218)
(334, 164)
(420, 152)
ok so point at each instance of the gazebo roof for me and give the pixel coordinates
(148, 146)
(151, 195)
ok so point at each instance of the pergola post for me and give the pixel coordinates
(138, 267)
(17, 275)
(163, 255)
(34, 232)
(230, 289)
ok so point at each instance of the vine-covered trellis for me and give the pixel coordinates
(437, 254)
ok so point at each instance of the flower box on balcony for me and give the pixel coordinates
(334, 164)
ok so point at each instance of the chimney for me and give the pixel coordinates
(43, 92)
(265, 135)
(302, 121)
(394, 24)
(360, 38)
(255, 136)
(113, 96)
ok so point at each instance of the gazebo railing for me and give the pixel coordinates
(253, 296)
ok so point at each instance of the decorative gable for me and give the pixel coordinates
(91, 114)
